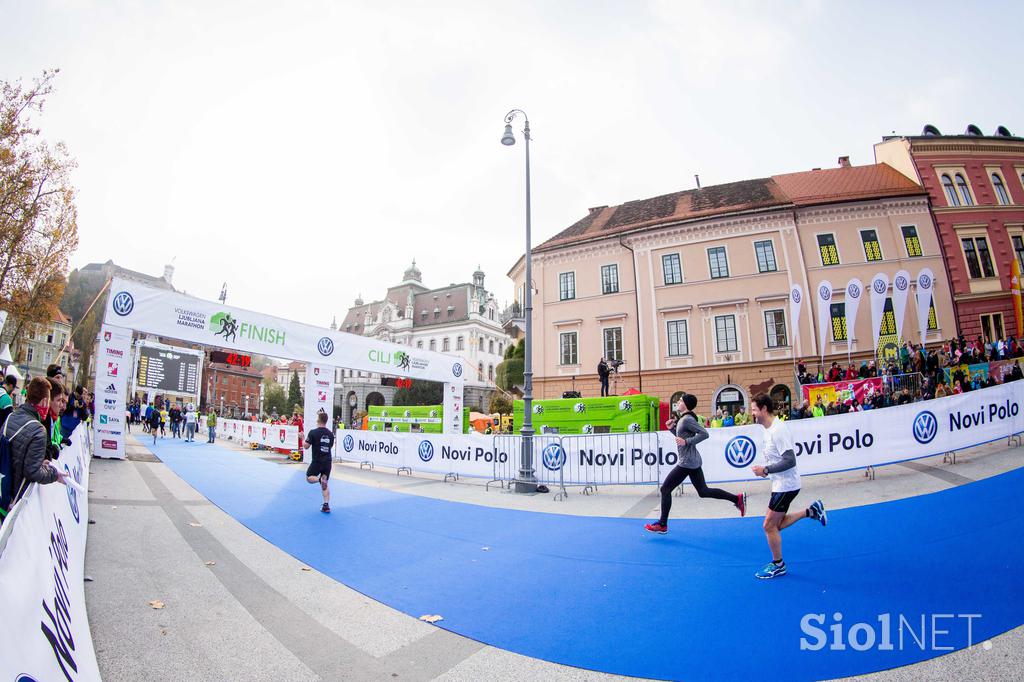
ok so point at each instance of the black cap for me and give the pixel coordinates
(690, 400)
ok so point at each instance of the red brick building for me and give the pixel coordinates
(975, 184)
(231, 390)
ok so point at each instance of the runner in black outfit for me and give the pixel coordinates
(689, 432)
(322, 441)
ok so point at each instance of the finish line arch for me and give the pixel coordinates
(134, 307)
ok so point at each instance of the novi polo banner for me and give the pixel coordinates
(824, 295)
(900, 290)
(879, 289)
(796, 298)
(42, 568)
(113, 364)
(925, 286)
(854, 292)
(319, 398)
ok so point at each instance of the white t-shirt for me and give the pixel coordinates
(777, 439)
(190, 417)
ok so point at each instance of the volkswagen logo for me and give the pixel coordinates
(740, 451)
(924, 282)
(900, 283)
(457, 369)
(825, 293)
(879, 286)
(123, 303)
(853, 291)
(795, 295)
(553, 457)
(426, 450)
(325, 346)
(348, 443)
(926, 427)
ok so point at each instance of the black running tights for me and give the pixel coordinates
(676, 477)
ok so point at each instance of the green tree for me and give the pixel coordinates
(500, 404)
(421, 393)
(294, 394)
(274, 398)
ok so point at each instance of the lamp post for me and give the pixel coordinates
(527, 481)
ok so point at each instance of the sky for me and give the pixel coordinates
(305, 152)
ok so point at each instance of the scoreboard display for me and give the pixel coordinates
(236, 359)
(168, 370)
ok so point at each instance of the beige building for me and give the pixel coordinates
(691, 289)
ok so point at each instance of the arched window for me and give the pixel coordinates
(445, 345)
(965, 192)
(460, 343)
(490, 372)
(480, 370)
(501, 348)
(490, 346)
(433, 344)
(947, 185)
(419, 344)
(1001, 196)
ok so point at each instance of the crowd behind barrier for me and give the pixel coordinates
(42, 563)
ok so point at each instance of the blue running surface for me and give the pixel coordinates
(595, 592)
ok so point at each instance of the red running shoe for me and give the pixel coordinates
(741, 504)
(656, 528)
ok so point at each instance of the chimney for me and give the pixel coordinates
(844, 162)
(169, 274)
(697, 178)
(595, 209)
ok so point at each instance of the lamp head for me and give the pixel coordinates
(508, 139)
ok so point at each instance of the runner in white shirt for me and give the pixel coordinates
(780, 466)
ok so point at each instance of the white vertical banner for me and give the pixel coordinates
(900, 291)
(879, 289)
(319, 398)
(925, 287)
(113, 364)
(854, 293)
(824, 313)
(452, 409)
(796, 299)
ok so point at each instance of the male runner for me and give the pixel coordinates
(780, 466)
(322, 441)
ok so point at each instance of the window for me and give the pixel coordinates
(490, 346)
(1001, 196)
(567, 348)
(911, 241)
(718, 264)
(947, 187)
(765, 256)
(837, 311)
(566, 286)
(613, 343)
(678, 341)
(979, 260)
(965, 192)
(480, 371)
(433, 344)
(775, 325)
(725, 333)
(490, 313)
(828, 250)
(460, 343)
(671, 268)
(445, 345)
(437, 313)
(29, 354)
(992, 326)
(609, 279)
(419, 344)
(872, 250)
(49, 338)
(490, 372)
(46, 357)
(1018, 248)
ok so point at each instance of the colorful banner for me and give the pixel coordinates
(824, 296)
(42, 570)
(113, 364)
(900, 291)
(796, 299)
(854, 293)
(319, 398)
(998, 369)
(616, 414)
(427, 418)
(925, 287)
(841, 391)
(879, 289)
(276, 436)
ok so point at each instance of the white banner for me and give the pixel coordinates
(854, 293)
(796, 299)
(452, 408)
(925, 287)
(113, 364)
(45, 626)
(319, 398)
(473, 455)
(824, 296)
(280, 436)
(879, 289)
(900, 290)
(167, 313)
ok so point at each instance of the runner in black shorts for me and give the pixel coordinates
(322, 441)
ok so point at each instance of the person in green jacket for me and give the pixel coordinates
(211, 425)
(818, 410)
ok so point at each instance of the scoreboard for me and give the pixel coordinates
(236, 359)
(167, 370)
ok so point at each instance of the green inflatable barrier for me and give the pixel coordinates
(429, 418)
(614, 414)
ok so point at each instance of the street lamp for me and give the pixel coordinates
(527, 481)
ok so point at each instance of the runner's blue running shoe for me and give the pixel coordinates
(771, 570)
(817, 511)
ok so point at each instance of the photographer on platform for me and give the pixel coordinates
(602, 374)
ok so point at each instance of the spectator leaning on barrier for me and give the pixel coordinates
(58, 402)
(742, 418)
(7, 397)
(28, 440)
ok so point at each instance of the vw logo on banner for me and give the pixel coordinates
(325, 346)
(553, 457)
(740, 451)
(457, 369)
(795, 295)
(426, 450)
(901, 283)
(825, 293)
(926, 427)
(853, 291)
(348, 443)
(924, 281)
(879, 286)
(123, 303)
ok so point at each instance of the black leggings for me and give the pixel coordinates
(676, 477)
